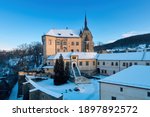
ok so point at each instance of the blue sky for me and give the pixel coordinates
(25, 21)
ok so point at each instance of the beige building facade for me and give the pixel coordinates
(85, 61)
(67, 40)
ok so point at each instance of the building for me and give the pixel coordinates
(105, 64)
(130, 84)
(108, 64)
(67, 40)
(85, 61)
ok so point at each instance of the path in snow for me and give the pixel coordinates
(13, 95)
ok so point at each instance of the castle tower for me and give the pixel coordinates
(87, 38)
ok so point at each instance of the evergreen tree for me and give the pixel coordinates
(56, 72)
(67, 72)
(59, 77)
(61, 69)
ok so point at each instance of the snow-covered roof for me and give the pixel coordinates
(66, 55)
(87, 91)
(125, 56)
(48, 67)
(57, 95)
(136, 76)
(85, 55)
(63, 33)
(81, 55)
(36, 77)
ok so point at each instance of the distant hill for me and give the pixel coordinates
(129, 42)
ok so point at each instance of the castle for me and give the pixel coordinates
(67, 40)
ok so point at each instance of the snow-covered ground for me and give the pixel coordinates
(86, 91)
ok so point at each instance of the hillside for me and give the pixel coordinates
(129, 42)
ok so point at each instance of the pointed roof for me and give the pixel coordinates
(80, 32)
(85, 24)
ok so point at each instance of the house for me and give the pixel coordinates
(132, 83)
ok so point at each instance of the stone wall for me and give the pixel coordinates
(36, 94)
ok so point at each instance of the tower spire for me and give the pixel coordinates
(85, 23)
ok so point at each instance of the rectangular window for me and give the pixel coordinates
(80, 63)
(112, 64)
(135, 63)
(77, 43)
(50, 42)
(113, 98)
(72, 43)
(58, 42)
(130, 64)
(97, 63)
(116, 63)
(124, 64)
(148, 94)
(73, 57)
(87, 63)
(103, 63)
(147, 64)
(65, 43)
(121, 89)
(93, 63)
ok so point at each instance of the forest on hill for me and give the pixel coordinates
(128, 42)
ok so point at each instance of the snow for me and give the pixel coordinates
(109, 56)
(48, 67)
(66, 55)
(13, 62)
(86, 55)
(87, 91)
(38, 87)
(14, 92)
(35, 77)
(81, 55)
(136, 76)
(125, 56)
(63, 33)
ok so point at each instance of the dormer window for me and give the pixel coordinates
(73, 57)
